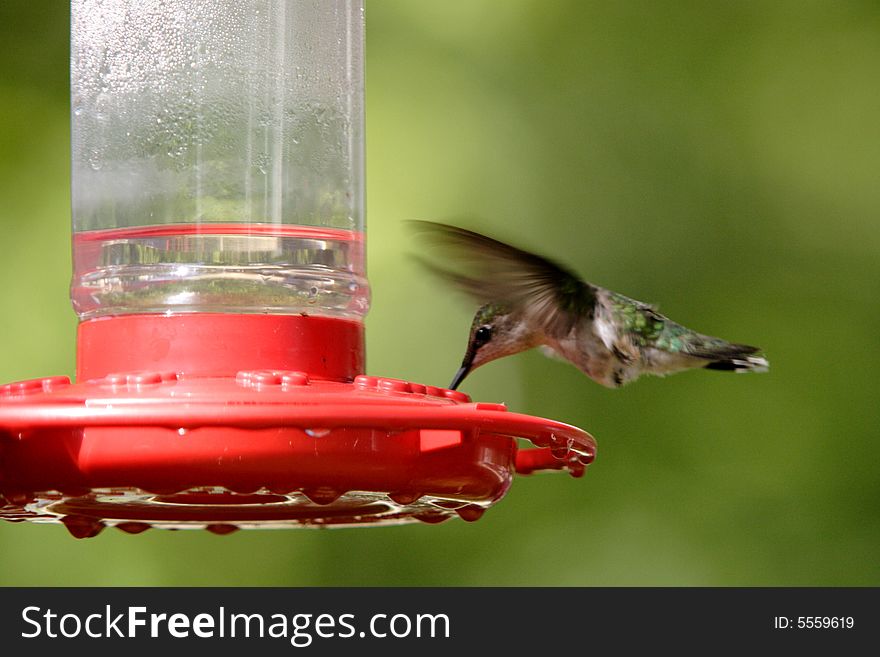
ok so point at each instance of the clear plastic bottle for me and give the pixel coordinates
(217, 157)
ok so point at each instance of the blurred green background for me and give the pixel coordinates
(720, 159)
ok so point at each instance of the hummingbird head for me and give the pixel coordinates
(497, 331)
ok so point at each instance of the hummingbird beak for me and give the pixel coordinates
(463, 370)
(459, 376)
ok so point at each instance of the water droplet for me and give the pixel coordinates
(95, 160)
(432, 518)
(404, 497)
(317, 433)
(471, 512)
(181, 431)
(82, 526)
(323, 495)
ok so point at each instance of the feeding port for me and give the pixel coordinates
(220, 283)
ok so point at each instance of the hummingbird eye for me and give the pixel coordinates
(483, 335)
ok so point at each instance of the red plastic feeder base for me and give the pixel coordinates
(261, 448)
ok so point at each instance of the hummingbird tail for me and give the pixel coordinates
(727, 356)
(743, 364)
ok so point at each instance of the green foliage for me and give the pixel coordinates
(718, 159)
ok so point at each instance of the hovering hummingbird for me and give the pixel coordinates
(529, 301)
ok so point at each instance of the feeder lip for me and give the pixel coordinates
(265, 448)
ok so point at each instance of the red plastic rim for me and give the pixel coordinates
(265, 448)
(220, 228)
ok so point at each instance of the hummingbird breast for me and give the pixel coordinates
(586, 350)
(593, 347)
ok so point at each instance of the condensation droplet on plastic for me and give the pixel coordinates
(95, 161)
(317, 433)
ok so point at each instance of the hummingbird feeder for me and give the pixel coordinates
(219, 280)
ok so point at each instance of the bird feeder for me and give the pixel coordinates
(219, 280)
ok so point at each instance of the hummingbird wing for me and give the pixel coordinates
(549, 294)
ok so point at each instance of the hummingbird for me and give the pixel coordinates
(530, 301)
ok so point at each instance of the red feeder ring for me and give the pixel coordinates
(295, 440)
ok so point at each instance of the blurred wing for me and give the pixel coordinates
(499, 273)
